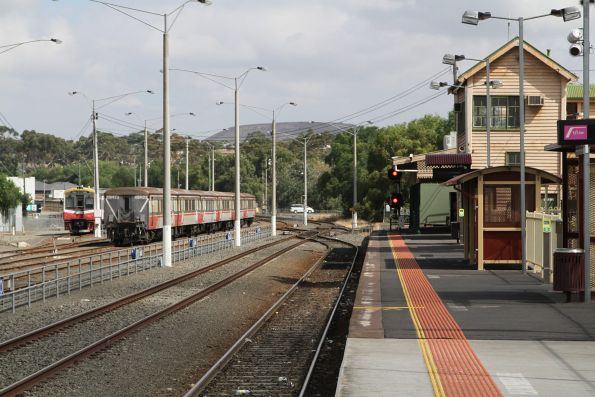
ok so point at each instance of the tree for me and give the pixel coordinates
(10, 196)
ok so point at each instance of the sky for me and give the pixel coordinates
(339, 60)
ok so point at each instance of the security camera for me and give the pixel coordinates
(575, 36)
(576, 49)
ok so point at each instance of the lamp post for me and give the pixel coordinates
(94, 117)
(146, 138)
(238, 81)
(211, 166)
(586, 156)
(166, 133)
(356, 130)
(187, 160)
(354, 213)
(274, 112)
(450, 59)
(473, 18)
(7, 47)
(306, 138)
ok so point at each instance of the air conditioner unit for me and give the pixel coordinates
(534, 100)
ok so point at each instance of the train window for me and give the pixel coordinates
(89, 202)
(126, 203)
(69, 204)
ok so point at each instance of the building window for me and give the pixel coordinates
(513, 158)
(505, 112)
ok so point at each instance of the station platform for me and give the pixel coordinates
(425, 323)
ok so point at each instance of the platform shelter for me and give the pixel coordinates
(490, 214)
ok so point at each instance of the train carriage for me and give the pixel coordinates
(135, 214)
(78, 213)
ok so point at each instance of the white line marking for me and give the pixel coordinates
(516, 384)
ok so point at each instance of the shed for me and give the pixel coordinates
(491, 224)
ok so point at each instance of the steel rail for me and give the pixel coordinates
(47, 372)
(204, 381)
(78, 318)
(331, 317)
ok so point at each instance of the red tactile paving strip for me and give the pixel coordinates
(460, 371)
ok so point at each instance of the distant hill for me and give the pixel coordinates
(285, 130)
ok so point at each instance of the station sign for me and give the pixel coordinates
(576, 132)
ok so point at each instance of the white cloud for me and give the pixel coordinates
(333, 57)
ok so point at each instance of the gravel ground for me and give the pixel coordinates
(323, 382)
(276, 359)
(35, 356)
(164, 359)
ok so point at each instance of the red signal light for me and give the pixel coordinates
(396, 200)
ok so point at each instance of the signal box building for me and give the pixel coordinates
(490, 196)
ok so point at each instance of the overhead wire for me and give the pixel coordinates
(374, 107)
(5, 121)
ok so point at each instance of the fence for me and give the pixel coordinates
(544, 234)
(24, 287)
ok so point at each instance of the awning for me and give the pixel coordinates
(448, 159)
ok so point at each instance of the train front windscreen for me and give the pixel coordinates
(79, 201)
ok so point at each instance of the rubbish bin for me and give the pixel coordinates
(569, 270)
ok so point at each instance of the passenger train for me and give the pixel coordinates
(134, 215)
(79, 210)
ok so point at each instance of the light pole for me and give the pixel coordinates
(473, 18)
(450, 59)
(146, 138)
(94, 117)
(7, 47)
(356, 130)
(306, 139)
(187, 160)
(166, 133)
(586, 157)
(274, 112)
(211, 166)
(238, 81)
(354, 213)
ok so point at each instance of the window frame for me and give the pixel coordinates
(509, 113)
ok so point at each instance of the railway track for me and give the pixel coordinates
(278, 354)
(51, 244)
(11, 349)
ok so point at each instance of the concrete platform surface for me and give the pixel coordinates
(528, 340)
